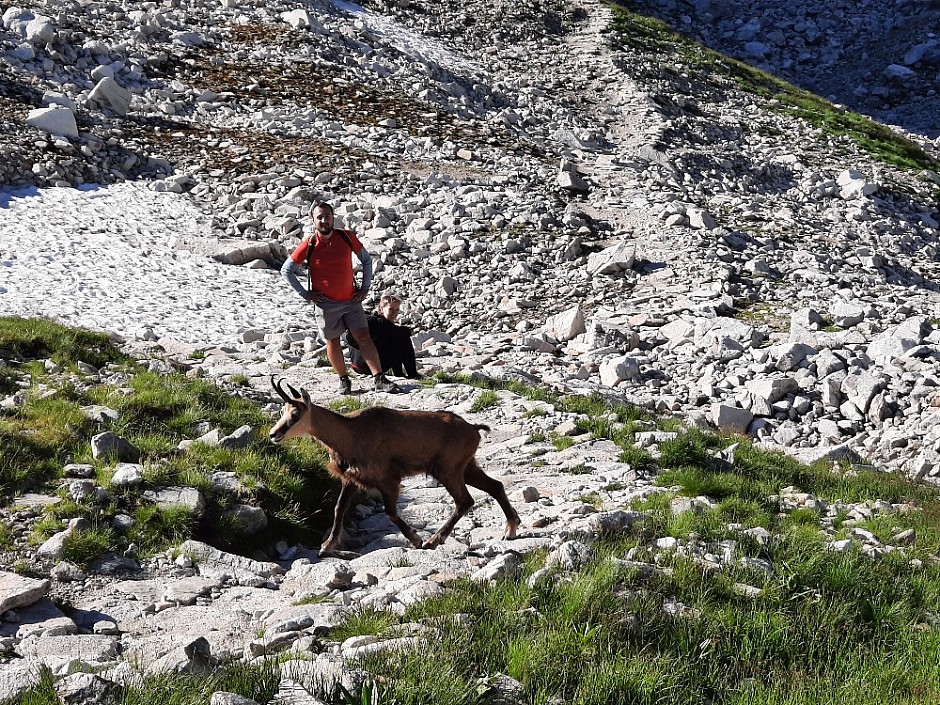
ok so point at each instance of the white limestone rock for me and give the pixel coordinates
(19, 591)
(853, 185)
(622, 368)
(127, 475)
(731, 418)
(55, 120)
(108, 93)
(612, 260)
(501, 567)
(566, 325)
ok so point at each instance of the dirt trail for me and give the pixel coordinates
(631, 127)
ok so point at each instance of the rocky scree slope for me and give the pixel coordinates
(558, 203)
(878, 58)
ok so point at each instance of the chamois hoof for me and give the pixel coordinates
(510, 532)
(415, 541)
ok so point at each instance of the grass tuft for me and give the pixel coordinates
(486, 399)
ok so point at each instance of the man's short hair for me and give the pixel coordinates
(389, 299)
(322, 204)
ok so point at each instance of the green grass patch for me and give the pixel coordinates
(37, 438)
(23, 339)
(579, 469)
(638, 458)
(154, 528)
(364, 621)
(560, 442)
(311, 600)
(535, 412)
(81, 547)
(154, 413)
(6, 536)
(345, 404)
(833, 626)
(257, 681)
(763, 315)
(486, 399)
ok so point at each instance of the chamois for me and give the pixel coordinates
(376, 447)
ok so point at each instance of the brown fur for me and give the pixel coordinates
(376, 448)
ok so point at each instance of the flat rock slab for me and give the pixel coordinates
(303, 617)
(143, 591)
(214, 563)
(19, 591)
(435, 561)
(250, 600)
(35, 500)
(125, 603)
(158, 634)
(42, 617)
(57, 650)
(185, 590)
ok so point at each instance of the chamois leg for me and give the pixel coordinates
(335, 538)
(390, 497)
(475, 477)
(462, 500)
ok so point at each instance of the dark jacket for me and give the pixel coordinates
(393, 343)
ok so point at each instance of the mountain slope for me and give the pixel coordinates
(710, 231)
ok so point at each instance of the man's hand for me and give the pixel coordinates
(316, 297)
(360, 295)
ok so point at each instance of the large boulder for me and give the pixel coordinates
(55, 120)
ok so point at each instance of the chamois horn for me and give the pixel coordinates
(277, 387)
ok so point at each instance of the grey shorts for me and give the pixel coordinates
(336, 317)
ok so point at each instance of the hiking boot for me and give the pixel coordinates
(345, 386)
(383, 384)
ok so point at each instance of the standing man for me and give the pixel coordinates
(332, 288)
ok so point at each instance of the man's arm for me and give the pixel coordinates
(289, 271)
(366, 259)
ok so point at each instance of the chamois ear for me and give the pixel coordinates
(305, 396)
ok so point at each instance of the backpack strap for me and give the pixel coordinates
(309, 253)
(345, 237)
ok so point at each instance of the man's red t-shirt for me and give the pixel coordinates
(331, 271)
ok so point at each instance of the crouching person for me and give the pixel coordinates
(392, 341)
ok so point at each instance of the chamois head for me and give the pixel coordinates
(295, 407)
